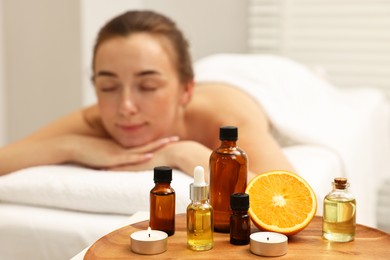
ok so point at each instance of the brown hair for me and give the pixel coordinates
(154, 23)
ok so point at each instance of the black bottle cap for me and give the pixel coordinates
(229, 133)
(162, 174)
(239, 201)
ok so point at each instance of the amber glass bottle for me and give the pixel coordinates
(228, 174)
(162, 201)
(240, 224)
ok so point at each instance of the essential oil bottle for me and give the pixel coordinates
(228, 174)
(199, 214)
(339, 215)
(240, 224)
(162, 201)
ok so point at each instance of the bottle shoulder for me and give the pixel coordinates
(235, 154)
(340, 196)
(199, 205)
(162, 189)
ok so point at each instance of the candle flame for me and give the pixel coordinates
(149, 231)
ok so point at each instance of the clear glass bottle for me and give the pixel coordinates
(199, 214)
(162, 201)
(339, 216)
(228, 174)
(240, 224)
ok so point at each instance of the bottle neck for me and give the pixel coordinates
(340, 188)
(200, 201)
(228, 143)
(199, 194)
(340, 191)
(239, 211)
(163, 184)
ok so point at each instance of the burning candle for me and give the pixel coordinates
(148, 242)
(268, 244)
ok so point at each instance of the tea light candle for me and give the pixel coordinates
(268, 244)
(149, 242)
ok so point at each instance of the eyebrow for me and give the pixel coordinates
(111, 74)
(148, 72)
(105, 73)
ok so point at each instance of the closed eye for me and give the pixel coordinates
(148, 88)
(108, 88)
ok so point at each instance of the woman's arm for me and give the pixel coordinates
(72, 140)
(49, 145)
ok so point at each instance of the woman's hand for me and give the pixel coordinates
(107, 154)
(182, 155)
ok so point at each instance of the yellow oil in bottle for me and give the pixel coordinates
(200, 227)
(200, 217)
(339, 216)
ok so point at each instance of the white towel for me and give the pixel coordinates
(88, 190)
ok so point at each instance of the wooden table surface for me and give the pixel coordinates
(369, 243)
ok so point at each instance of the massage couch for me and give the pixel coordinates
(55, 211)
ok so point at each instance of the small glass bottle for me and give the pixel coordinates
(240, 225)
(162, 201)
(228, 174)
(199, 214)
(339, 216)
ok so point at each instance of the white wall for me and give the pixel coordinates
(48, 47)
(42, 59)
(3, 106)
(209, 27)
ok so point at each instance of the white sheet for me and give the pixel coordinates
(28, 232)
(304, 109)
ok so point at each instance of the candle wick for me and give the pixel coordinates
(267, 238)
(149, 234)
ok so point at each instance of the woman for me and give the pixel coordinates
(149, 111)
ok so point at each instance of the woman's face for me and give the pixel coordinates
(139, 94)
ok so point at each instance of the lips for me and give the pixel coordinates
(131, 127)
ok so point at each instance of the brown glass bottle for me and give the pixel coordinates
(240, 224)
(228, 174)
(162, 201)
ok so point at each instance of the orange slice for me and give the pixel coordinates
(281, 201)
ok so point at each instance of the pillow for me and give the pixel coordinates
(82, 189)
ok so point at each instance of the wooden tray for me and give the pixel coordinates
(308, 244)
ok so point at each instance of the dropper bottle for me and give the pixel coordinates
(200, 223)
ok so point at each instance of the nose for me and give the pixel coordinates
(127, 104)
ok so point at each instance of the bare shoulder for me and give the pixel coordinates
(215, 105)
(230, 105)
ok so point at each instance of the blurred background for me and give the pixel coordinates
(46, 45)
